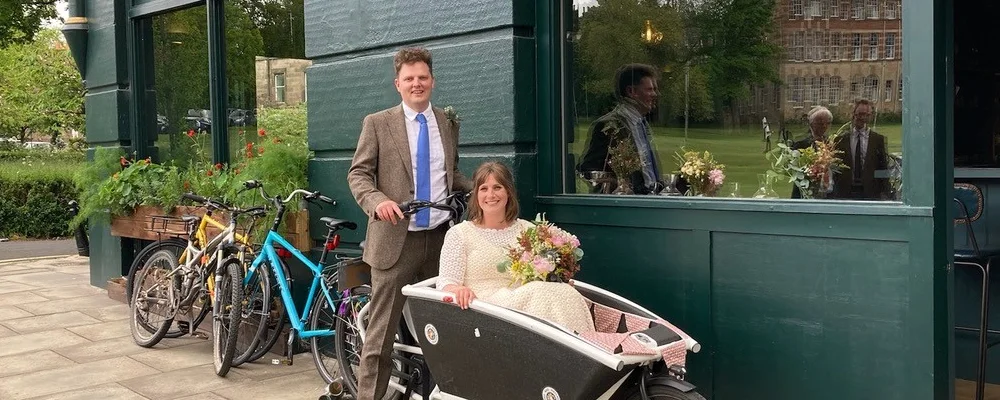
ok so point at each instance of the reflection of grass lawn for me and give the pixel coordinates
(740, 150)
(238, 137)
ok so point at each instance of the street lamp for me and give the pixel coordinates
(650, 34)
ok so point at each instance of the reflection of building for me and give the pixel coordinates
(281, 81)
(840, 50)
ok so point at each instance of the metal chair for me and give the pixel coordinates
(968, 199)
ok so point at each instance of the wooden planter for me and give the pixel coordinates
(151, 223)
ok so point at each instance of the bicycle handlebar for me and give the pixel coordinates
(413, 206)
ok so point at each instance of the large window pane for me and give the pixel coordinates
(180, 81)
(266, 70)
(655, 85)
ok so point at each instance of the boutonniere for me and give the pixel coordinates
(451, 114)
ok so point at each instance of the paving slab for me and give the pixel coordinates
(175, 358)
(31, 342)
(50, 321)
(93, 301)
(303, 385)
(102, 331)
(4, 332)
(105, 391)
(30, 362)
(47, 279)
(110, 348)
(10, 313)
(70, 292)
(117, 312)
(13, 287)
(183, 382)
(74, 377)
(13, 299)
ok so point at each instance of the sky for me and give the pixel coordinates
(62, 8)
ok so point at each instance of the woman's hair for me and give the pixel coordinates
(819, 111)
(502, 174)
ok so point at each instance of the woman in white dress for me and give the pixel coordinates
(473, 248)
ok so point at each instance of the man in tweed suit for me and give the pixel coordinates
(406, 152)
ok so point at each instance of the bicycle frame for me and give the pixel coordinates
(297, 319)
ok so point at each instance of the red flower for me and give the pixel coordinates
(218, 166)
(249, 146)
(187, 185)
(260, 150)
(249, 153)
(241, 131)
(261, 132)
(123, 162)
(209, 173)
(190, 133)
(149, 160)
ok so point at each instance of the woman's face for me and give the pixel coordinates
(820, 125)
(492, 196)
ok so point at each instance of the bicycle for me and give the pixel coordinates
(350, 332)
(185, 279)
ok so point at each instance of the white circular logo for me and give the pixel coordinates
(644, 339)
(549, 394)
(431, 333)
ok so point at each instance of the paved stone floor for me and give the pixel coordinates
(62, 338)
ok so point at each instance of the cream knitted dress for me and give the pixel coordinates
(470, 256)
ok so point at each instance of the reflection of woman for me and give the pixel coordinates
(819, 119)
(472, 250)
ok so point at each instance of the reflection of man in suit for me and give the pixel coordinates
(864, 151)
(636, 91)
(819, 124)
(406, 152)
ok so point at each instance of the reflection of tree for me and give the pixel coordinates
(725, 43)
(281, 23)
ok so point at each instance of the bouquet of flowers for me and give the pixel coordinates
(623, 157)
(703, 174)
(543, 252)
(809, 169)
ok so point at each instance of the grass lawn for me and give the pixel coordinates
(742, 151)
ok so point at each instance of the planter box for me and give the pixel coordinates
(151, 223)
(116, 289)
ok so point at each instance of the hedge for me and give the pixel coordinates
(34, 200)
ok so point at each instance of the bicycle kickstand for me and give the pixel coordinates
(289, 348)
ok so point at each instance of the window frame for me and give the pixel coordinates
(282, 89)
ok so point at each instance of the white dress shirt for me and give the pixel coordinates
(439, 176)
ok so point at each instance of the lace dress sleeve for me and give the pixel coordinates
(452, 267)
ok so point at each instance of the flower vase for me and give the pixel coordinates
(766, 190)
(624, 187)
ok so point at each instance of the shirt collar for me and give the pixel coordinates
(863, 132)
(411, 114)
(630, 111)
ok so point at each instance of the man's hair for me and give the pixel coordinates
(410, 55)
(819, 111)
(631, 75)
(859, 103)
(505, 178)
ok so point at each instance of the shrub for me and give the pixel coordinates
(34, 201)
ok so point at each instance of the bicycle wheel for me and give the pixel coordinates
(256, 309)
(176, 245)
(226, 315)
(275, 319)
(348, 343)
(154, 300)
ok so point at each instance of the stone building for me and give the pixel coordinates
(281, 81)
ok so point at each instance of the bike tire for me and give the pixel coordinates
(348, 343)
(173, 244)
(256, 312)
(226, 315)
(276, 318)
(662, 391)
(165, 288)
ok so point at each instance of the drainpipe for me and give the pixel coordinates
(75, 31)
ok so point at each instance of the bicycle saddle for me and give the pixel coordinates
(334, 223)
(190, 218)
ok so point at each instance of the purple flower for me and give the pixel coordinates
(716, 177)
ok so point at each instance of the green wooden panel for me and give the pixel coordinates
(101, 13)
(105, 255)
(106, 56)
(811, 318)
(344, 26)
(107, 116)
(485, 105)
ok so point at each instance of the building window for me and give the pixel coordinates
(815, 9)
(279, 87)
(871, 88)
(890, 46)
(899, 87)
(797, 46)
(810, 46)
(796, 9)
(857, 83)
(797, 86)
(305, 87)
(872, 9)
(856, 43)
(873, 46)
(833, 8)
(845, 9)
(824, 90)
(888, 90)
(835, 85)
(858, 9)
(890, 9)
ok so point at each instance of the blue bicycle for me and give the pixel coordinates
(324, 277)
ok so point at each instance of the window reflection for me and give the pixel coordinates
(698, 98)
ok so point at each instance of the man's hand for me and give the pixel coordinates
(389, 211)
(463, 295)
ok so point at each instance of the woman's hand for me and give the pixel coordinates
(463, 295)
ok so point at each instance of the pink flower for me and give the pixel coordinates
(526, 257)
(574, 241)
(716, 177)
(558, 240)
(542, 265)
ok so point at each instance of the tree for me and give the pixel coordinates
(21, 20)
(42, 91)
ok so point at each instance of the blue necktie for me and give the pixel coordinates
(423, 171)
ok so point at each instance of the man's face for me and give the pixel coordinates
(819, 125)
(645, 93)
(862, 114)
(415, 83)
